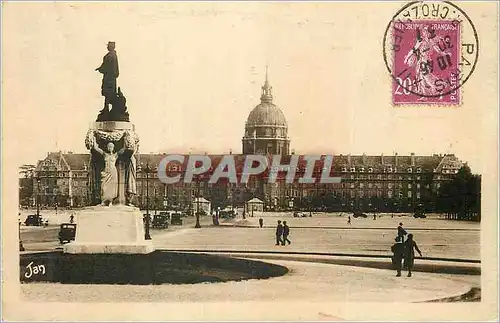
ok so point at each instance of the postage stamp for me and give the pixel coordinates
(430, 49)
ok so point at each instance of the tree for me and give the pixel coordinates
(460, 198)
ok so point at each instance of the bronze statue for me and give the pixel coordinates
(109, 69)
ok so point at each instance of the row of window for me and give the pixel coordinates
(386, 170)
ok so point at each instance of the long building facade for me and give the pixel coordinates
(371, 183)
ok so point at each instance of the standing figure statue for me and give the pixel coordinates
(109, 69)
(109, 174)
(131, 174)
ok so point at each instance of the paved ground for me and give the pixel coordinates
(435, 237)
(321, 233)
(312, 280)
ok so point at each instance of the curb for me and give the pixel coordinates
(332, 254)
(347, 228)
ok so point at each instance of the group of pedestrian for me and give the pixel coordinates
(404, 251)
(282, 233)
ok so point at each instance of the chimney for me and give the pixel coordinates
(396, 159)
(364, 159)
(412, 159)
(382, 159)
(349, 159)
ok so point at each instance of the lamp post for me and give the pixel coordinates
(38, 196)
(197, 225)
(21, 247)
(154, 201)
(147, 236)
(165, 197)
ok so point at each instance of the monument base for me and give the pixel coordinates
(109, 229)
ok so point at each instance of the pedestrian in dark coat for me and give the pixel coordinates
(401, 232)
(410, 247)
(286, 233)
(279, 233)
(398, 254)
(261, 222)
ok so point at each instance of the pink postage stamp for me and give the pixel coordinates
(425, 66)
(427, 54)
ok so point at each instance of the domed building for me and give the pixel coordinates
(266, 130)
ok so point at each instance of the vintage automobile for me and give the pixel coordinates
(67, 232)
(419, 214)
(359, 214)
(34, 219)
(160, 221)
(176, 218)
(227, 214)
(297, 214)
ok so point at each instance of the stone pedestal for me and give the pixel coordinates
(109, 229)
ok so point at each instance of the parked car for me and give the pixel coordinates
(160, 221)
(359, 214)
(67, 232)
(34, 219)
(227, 214)
(297, 214)
(176, 218)
(419, 215)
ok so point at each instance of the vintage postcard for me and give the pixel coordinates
(257, 161)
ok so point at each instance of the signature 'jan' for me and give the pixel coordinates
(34, 270)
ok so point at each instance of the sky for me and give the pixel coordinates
(192, 73)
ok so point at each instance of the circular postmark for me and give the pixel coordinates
(430, 49)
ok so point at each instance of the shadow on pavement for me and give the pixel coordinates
(158, 267)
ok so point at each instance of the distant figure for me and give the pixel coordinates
(349, 220)
(374, 216)
(398, 254)
(279, 233)
(71, 218)
(261, 222)
(286, 233)
(401, 232)
(410, 247)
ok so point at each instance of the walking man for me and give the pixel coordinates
(398, 254)
(410, 247)
(286, 233)
(349, 220)
(261, 222)
(401, 232)
(279, 233)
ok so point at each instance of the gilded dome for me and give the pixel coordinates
(266, 113)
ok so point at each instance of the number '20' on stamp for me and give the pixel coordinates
(425, 66)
